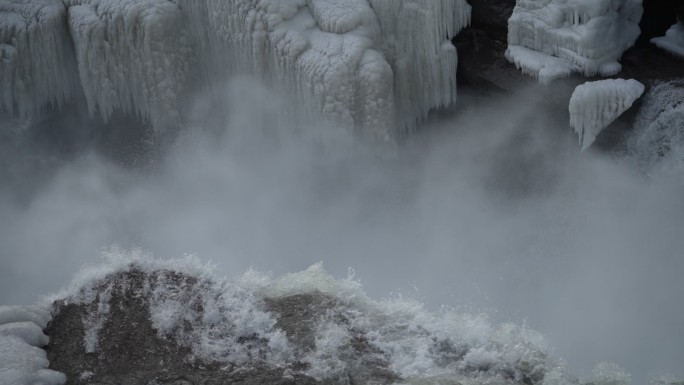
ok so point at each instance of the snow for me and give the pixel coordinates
(31, 333)
(549, 39)
(36, 59)
(22, 362)
(367, 64)
(673, 41)
(37, 314)
(594, 105)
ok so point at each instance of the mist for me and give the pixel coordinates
(490, 208)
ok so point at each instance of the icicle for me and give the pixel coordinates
(132, 56)
(415, 41)
(369, 64)
(36, 56)
(594, 105)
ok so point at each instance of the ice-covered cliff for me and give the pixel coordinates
(374, 65)
(549, 39)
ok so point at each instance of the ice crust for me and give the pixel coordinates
(594, 105)
(673, 41)
(22, 362)
(549, 39)
(368, 64)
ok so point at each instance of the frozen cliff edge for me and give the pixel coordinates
(374, 65)
(595, 105)
(136, 319)
(555, 38)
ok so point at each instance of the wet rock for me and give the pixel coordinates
(130, 350)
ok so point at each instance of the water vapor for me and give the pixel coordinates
(491, 208)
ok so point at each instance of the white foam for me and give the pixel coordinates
(553, 38)
(595, 105)
(608, 373)
(657, 142)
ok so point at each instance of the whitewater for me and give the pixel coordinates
(485, 248)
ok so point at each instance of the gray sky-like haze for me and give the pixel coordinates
(491, 208)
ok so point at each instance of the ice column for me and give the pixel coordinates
(132, 56)
(416, 42)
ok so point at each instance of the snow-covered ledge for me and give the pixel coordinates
(549, 39)
(22, 361)
(595, 105)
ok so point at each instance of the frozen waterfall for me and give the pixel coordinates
(369, 64)
(554, 38)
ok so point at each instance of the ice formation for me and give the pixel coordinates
(594, 105)
(673, 41)
(657, 142)
(132, 56)
(37, 65)
(549, 39)
(369, 64)
(22, 362)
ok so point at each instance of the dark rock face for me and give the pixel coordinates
(111, 333)
(130, 351)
